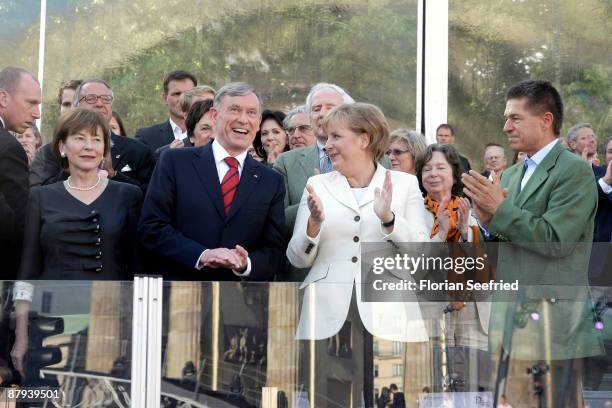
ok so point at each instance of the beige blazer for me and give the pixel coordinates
(334, 256)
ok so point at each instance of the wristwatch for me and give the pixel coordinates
(389, 223)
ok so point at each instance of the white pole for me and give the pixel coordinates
(41, 50)
(432, 66)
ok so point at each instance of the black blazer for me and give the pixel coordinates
(465, 164)
(156, 136)
(14, 191)
(183, 215)
(603, 216)
(132, 159)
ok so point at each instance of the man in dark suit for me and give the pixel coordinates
(445, 134)
(130, 158)
(213, 212)
(603, 217)
(582, 140)
(129, 161)
(20, 98)
(156, 136)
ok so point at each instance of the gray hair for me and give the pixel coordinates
(185, 99)
(572, 133)
(415, 141)
(11, 76)
(235, 89)
(77, 93)
(292, 113)
(346, 98)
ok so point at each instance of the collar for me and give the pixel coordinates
(320, 147)
(542, 153)
(174, 127)
(219, 153)
(2, 120)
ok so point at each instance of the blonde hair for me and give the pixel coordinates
(415, 142)
(363, 118)
(185, 99)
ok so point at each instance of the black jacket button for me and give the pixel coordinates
(354, 259)
(357, 218)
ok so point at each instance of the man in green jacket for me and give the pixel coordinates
(542, 212)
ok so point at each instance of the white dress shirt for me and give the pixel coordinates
(219, 153)
(178, 132)
(533, 161)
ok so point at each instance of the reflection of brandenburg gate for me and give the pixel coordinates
(198, 315)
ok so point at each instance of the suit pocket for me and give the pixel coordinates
(317, 273)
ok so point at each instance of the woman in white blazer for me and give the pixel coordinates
(358, 202)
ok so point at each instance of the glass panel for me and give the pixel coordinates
(19, 33)
(494, 45)
(224, 341)
(281, 48)
(78, 338)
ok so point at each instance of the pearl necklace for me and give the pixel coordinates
(83, 188)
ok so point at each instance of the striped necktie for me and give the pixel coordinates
(229, 185)
(325, 165)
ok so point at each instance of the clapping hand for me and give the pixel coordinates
(485, 195)
(382, 200)
(464, 217)
(315, 206)
(317, 216)
(443, 219)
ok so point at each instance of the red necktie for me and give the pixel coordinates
(229, 185)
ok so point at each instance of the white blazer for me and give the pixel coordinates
(334, 256)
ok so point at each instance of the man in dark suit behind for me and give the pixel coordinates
(213, 212)
(130, 158)
(445, 134)
(156, 136)
(20, 98)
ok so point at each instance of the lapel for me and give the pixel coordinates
(512, 175)
(309, 161)
(377, 181)
(338, 187)
(166, 132)
(117, 151)
(251, 174)
(540, 175)
(206, 169)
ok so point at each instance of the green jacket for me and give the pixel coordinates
(546, 230)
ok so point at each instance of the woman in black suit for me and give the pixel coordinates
(84, 227)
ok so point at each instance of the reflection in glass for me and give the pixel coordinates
(79, 340)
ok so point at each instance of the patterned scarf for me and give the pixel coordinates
(432, 206)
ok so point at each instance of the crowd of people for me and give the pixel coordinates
(225, 190)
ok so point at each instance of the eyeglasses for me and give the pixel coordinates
(91, 98)
(301, 128)
(395, 152)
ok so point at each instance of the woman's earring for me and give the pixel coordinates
(63, 154)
